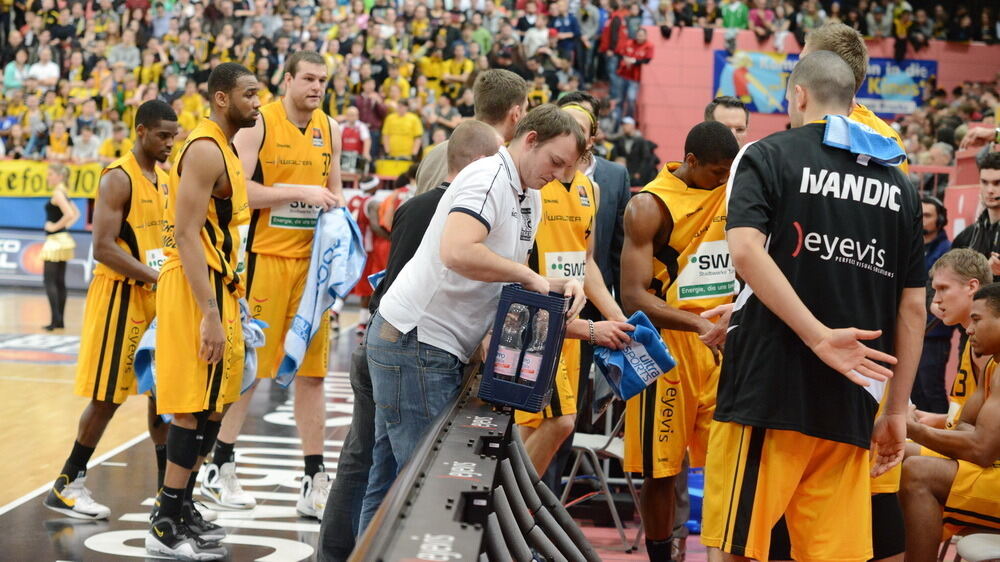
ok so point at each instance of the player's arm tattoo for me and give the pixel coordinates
(212, 305)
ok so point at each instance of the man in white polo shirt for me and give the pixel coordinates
(439, 309)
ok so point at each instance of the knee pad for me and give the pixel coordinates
(182, 446)
(208, 438)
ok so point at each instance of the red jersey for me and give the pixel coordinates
(637, 51)
(350, 139)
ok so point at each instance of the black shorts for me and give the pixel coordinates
(888, 533)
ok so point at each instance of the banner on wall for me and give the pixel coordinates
(21, 263)
(28, 178)
(759, 80)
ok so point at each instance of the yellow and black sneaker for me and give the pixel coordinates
(173, 539)
(73, 499)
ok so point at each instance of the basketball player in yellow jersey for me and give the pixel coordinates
(292, 159)
(956, 277)
(564, 247)
(120, 301)
(199, 341)
(940, 496)
(675, 265)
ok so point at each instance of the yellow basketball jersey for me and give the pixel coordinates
(693, 270)
(289, 157)
(862, 114)
(223, 237)
(141, 231)
(962, 387)
(567, 222)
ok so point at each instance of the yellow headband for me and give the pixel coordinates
(587, 112)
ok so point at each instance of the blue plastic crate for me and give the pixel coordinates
(526, 397)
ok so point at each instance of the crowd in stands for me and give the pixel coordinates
(401, 71)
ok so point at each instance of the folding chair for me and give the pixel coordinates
(597, 447)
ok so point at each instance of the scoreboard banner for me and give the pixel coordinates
(29, 178)
(759, 79)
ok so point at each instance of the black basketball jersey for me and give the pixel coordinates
(847, 234)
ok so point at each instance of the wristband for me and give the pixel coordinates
(590, 326)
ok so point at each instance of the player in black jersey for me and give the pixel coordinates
(827, 238)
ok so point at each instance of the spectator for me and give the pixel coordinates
(940, 154)
(567, 30)
(372, 112)
(635, 53)
(466, 104)
(811, 17)
(735, 15)
(456, 72)
(58, 146)
(401, 138)
(46, 71)
(16, 71)
(928, 393)
(86, 146)
(536, 37)
(443, 116)
(983, 235)
(114, 147)
(635, 152)
(762, 20)
(125, 52)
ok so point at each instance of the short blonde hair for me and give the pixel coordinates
(967, 264)
(846, 43)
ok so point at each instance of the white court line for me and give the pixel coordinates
(33, 379)
(41, 489)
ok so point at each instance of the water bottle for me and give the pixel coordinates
(532, 363)
(509, 348)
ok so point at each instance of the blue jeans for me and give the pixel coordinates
(343, 506)
(616, 81)
(412, 383)
(630, 93)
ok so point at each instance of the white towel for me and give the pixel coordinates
(337, 262)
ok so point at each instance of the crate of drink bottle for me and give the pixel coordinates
(524, 351)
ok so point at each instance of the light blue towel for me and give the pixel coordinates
(862, 140)
(639, 364)
(337, 262)
(145, 353)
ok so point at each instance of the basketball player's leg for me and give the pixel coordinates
(268, 302)
(115, 315)
(547, 431)
(923, 493)
(68, 496)
(543, 443)
(310, 398)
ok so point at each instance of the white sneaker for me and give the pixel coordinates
(74, 500)
(312, 495)
(207, 513)
(221, 486)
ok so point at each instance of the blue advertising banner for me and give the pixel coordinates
(759, 80)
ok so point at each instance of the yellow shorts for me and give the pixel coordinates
(925, 452)
(756, 475)
(972, 501)
(673, 415)
(274, 289)
(185, 383)
(567, 384)
(114, 318)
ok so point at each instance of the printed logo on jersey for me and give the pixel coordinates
(584, 200)
(296, 214)
(570, 265)
(317, 137)
(155, 258)
(708, 272)
(864, 254)
(526, 224)
(870, 191)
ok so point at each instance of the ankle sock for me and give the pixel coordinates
(223, 453)
(76, 464)
(659, 551)
(171, 500)
(314, 465)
